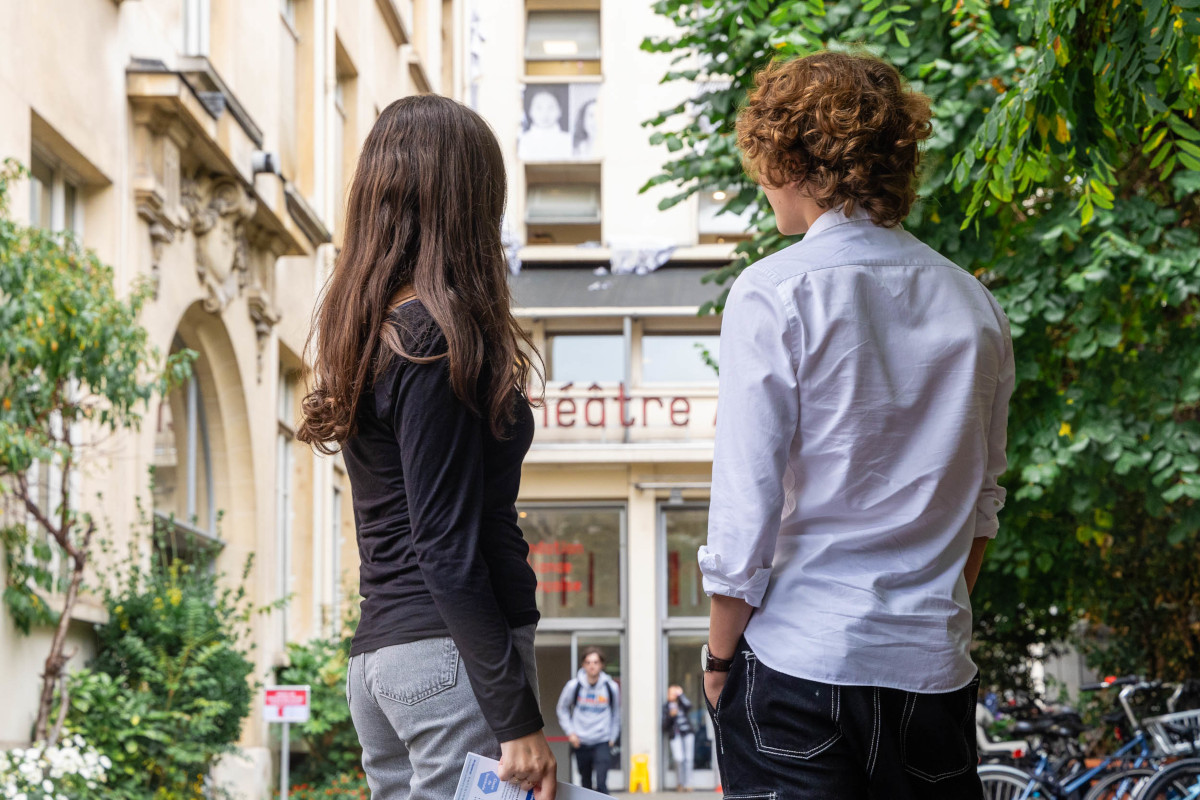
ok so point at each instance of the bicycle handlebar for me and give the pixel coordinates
(1109, 682)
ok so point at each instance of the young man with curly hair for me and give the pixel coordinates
(864, 393)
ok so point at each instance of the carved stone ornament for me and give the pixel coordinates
(264, 315)
(159, 140)
(219, 208)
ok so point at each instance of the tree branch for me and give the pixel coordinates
(61, 535)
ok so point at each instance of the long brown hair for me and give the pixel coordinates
(423, 213)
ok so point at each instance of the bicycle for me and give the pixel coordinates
(1176, 733)
(1069, 779)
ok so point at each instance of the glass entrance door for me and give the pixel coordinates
(683, 670)
(683, 528)
(558, 656)
(578, 554)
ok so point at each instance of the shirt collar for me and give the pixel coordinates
(834, 217)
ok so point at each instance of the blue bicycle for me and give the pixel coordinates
(1118, 777)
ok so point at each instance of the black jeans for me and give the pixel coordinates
(593, 756)
(781, 737)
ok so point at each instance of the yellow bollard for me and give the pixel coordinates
(639, 774)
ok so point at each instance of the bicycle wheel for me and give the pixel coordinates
(1122, 785)
(1180, 781)
(1009, 783)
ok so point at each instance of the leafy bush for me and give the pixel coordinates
(348, 784)
(168, 691)
(329, 734)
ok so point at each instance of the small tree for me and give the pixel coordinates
(72, 358)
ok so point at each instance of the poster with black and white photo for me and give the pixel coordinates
(559, 122)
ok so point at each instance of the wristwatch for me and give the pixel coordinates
(713, 664)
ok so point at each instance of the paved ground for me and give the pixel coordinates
(671, 795)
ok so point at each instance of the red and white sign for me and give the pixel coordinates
(286, 703)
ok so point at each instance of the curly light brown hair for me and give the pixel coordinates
(845, 127)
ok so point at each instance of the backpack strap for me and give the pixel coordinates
(607, 682)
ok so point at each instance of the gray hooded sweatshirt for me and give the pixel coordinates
(596, 716)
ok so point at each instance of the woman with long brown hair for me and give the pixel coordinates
(419, 378)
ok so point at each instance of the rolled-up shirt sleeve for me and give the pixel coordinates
(992, 494)
(757, 415)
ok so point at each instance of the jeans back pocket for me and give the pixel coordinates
(412, 672)
(790, 717)
(937, 731)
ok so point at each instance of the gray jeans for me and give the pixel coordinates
(417, 718)
(683, 750)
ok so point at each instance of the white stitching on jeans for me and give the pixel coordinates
(875, 728)
(910, 702)
(779, 751)
(760, 795)
(920, 773)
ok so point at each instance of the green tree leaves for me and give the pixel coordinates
(1063, 173)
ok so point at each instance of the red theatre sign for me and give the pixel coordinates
(592, 410)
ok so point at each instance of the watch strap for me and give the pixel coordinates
(714, 664)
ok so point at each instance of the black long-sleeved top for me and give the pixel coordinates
(434, 506)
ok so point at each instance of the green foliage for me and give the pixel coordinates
(69, 345)
(169, 688)
(72, 357)
(1064, 172)
(332, 744)
(27, 577)
(349, 784)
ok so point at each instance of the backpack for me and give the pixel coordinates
(606, 682)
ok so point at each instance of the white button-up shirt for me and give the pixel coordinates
(864, 393)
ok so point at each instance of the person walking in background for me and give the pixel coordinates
(677, 724)
(589, 712)
(420, 379)
(864, 390)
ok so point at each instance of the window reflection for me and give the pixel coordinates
(576, 553)
(680, 358)
(687, 529)
(683, 670)
(587, 359)
(184, 500)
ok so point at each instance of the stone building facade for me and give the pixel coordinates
(206, 145)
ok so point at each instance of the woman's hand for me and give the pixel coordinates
(529, 762)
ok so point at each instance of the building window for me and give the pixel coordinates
(184, 498)
(54, 200)
(197, 17)
(339, 144)
(287, 9)
(585, 359)
(685, 529)
(284, 469)
(562, 43)
(562, 213)
(716, 225)
(680, 359)
(576, 554)
(563, 204)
